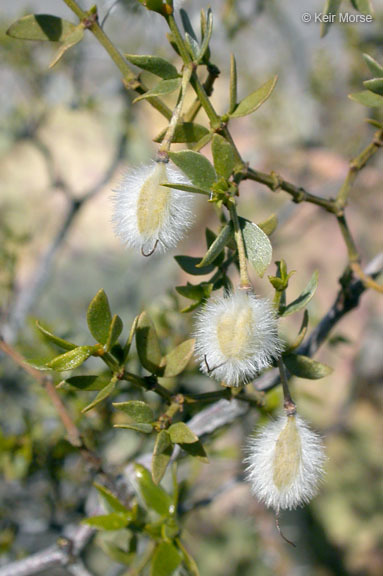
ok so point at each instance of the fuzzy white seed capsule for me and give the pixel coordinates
(147, 215)
(285, 463)
(236, 337)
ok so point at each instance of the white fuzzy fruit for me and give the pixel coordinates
(236, 337)
(285, 463)
(147, 215)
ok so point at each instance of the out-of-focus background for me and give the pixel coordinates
(68, 134)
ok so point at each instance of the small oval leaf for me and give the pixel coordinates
(115, 330)
(252, 102)
(374, 85)
(114, 521)
(196, 167)
(166, 560)
(148, 346)
(154, 64)
(99, 317)
(367, 98)
(71, 359)
(180, 433)
(137, 410)
(162, 453)
(155, 497)
(55, 339)
(111, 500)
(185, 132)
(189, 264)
(163, 88)
(305, 367)
(257, 245)
(177, 360)
(223, 155)
(216, 247)
(304, 298)
(41, 27)
(104, 393)
(87, 382)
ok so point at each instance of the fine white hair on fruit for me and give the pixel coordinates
(147, 215)
(236, 337)
(285, 463)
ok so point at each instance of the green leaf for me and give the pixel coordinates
(137, 410)
(208, 29)
(268, 226)
(115, 330)
(110, 499)
(223, 155)
(71, 359)
(304, 298)
(88, 382)
(177, 360)
(180, 433)
(331, 7)
(188, 560)
(154, 64)
(186, 188)
(257, 245)
(216, 247)
(41, 27)
(196, 167)
(162, 453)
(136, 426)
(71, 40)
(163, 88)
(305, 367)
(99, 317)
(233, 84)
(166, 560)
(367, 98)
(252, 102)
(129, 341)
(374, 85)
(155, 497)
(55, 339)
(195, 292)
(363, 6)
(117, 554)
(185, 132)
(148, 346)
(301, 334)
(104, 393)
(373, 65)
(189, 265)
(196, 450)
(114, 521)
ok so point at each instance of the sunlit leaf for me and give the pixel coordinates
(177, 360)
(71, 359)
(41, 27)
(252, 102)
(99, 317)
(154, 496)
(304, 298)
(166, 560)
(162, 453)
(137, 410)
(305, 367)
(154, 64)
(196, 167)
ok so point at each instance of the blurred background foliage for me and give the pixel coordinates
(71, 132)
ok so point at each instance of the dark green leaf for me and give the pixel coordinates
(196, 167)
(331, 7)
(305, 367)
(223, 155)
(88, 382)
(55, 339)
(367, 98)
(180, 433)
(208, 29)
(163, 88)
(70, 40)
(41, 27)
(195, 292)
(104, 393)
(185, 132)
(233, 84)
(302, 300)
(257, 245)
(99, 317)
(268, 226)
(148, 346)
(162, 453)
(186, 188)
(166, 560)
(301, 334)
(177, 360)
(71, 359)
(154, 64)
(216, 247)
(252, 102)
(114, 521)
(129, 340)
(115, 330)
(374, 85)
(116, 553)
(196, 450)
(154, 496)
(137, 410)
(110, 499)
(363, 6)
(373, 65)
(189, 265)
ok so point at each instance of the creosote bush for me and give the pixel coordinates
(236, 340)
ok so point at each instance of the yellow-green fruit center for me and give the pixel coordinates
(287, 455)
(152, 202)
(233, 332)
